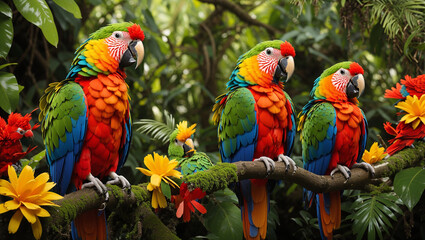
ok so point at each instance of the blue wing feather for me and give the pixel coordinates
(127, 141)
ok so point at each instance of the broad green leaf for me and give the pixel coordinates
(6, 29)
(165, 189)
(409, 185)
(70, 6)
(224, 220)
(9, 92)
(38, 13)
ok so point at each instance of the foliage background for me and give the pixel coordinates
(191, 49)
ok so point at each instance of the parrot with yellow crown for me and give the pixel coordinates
(86, 122)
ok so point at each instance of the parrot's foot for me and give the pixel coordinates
(270, 164)
(365, 166)
(95, 182)
(118, 179)
(343, 169)
(288, 162)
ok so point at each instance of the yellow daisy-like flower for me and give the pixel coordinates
(160, 168)
(28, 194)
(415, 110)
(184, 131)
(375, 154)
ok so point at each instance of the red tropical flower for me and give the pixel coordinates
(186, 202)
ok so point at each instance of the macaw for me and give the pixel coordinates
(256, 122)
(86, 122)
(405, 132)
(182, 149)
(333, 136)
(11, 133)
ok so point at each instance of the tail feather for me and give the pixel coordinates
(328, 213)
(254, 211)
(89, 225)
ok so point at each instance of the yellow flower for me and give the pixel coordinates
(184, 131)
(28, 195)
(415, 110)
(160, 168)
(375, 154)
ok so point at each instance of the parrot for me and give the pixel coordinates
(86, 123)
(405, 132)
(16, 128)
(256, 122)
(181, 148)
(333, 136)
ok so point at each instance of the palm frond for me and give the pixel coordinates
(157, 130)
(373, 213)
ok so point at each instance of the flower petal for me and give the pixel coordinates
(15, 221)
(155, 180)
(36, 228)
(28, 214)
(30, 205)
(199, 207)
(3, 209)
(12, 204)
(180, 210)
(149, 163)
(13, 178)
(154, 201)
(6, 191)
(41, 212)
(145, 171)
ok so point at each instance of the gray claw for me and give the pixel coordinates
(365, 166)
(343, 169)
(270, 164)
(118, 179)
(95, 182)
(288, 162)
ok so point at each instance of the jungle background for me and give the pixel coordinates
(191, 49)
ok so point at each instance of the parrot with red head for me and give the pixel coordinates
(409, 92)
(256, 122)
(86, 121)
(11, 133)
(333, 136)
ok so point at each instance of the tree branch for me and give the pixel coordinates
(241, 14)
(219, 176)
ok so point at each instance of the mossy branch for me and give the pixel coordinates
(222, 174)
(129, 215)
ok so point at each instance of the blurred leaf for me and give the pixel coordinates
(70, 6)
(165, 189)
(6, 65)
(409, 184)
(226, 195)
(150, 22)
(34, 161)
(9, 92)
(6, 29)
(223, 219)
(38, 13)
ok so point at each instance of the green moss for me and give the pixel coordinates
(215, 178)
(406, 158)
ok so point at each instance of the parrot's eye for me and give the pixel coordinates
(117, 35)
(342, 72)
(20, 131)
(269, 51)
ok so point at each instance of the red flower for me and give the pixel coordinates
(186, 202)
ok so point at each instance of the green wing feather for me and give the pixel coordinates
(198, 162)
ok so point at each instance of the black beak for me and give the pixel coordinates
(131, 55)
(284, 69)
(353, 87)
(188, 151)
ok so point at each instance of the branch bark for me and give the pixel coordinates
(216, 178)
(241, 14)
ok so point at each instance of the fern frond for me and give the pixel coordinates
(373, 213)
(157, 130)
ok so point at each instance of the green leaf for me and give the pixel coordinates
(165, 189)
(70, 6)
(6, 29)
(38, 13)
(409, 185)
(224, 220)
(34, 161)
(7, 64)
(9, 92)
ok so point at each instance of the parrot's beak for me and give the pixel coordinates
(29, 134)
(284, 69)
(355, 86)
(188, 148)
(134, 54)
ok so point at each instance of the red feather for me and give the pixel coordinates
(286, 49)
(136, 32)
(355, 69)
